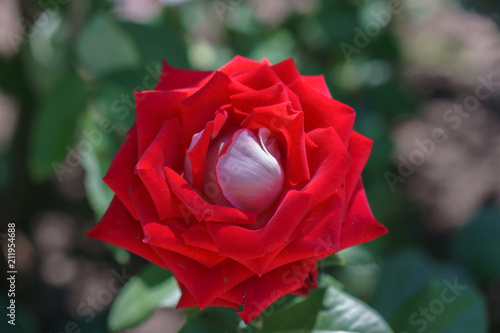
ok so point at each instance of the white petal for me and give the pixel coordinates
(249, 173)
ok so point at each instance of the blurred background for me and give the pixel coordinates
(423, 76)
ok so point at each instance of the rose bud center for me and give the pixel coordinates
(249, 171)
(243, 169)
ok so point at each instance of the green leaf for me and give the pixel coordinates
(427, 285)
(414, 268)
(277, 47)
(54, 128)
(98, 193)
(357, 255)
(114, 98)
(213, 320)
(323, 331)
(297, 316)
(442, 307)
(473, 244)
(104, 47)
(100, 149)
(153, 288)
(325, 310)
(336, 259)
(157, 43)
(346, 313)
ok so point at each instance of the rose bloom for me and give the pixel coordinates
(238, 181)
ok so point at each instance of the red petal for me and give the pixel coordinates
(244, 244)
(167, 236)
(117, 227)
(205, 284)
(165, 150)
(318, 236)
(360, 226)
(238, 65)
(244, 103)
(260, 78)
(329, 163)
(197, 235)
(121, 175)
(265, 61)
(188, 301)
(288, 126)
(287, 71)
(201, 209)
(258, 293)
(321, 111)
(153, 108)
(260, 265)
(198, 153)
(176, 78)
(359, 150)
(200, 108)
(318, 82)
(311, 281)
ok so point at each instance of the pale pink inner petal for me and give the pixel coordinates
(211, 188)
(250, 172)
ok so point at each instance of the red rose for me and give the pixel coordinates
(239, 181)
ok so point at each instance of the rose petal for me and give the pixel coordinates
(244, 244)
(238, 65)
(167, 236)
(119, 228)
(177, 78)
(318, 82)
(249, 171)
(244, 103)
(153, 108)
(329, 163)
(165, 150)
(196, 157)
(318, 236)
(265, 61)
(188, 166)
(310, 282)
(194, 205)
(259, 78)
(200, 108)
(360, 226)
(188, 301)
(286, 71)
(260, 292)
(260, 265)
(211, 189)
(197, 235)
(359, 149)
(204, 284)
(322, 112)
(288, 126)
(121, 171)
